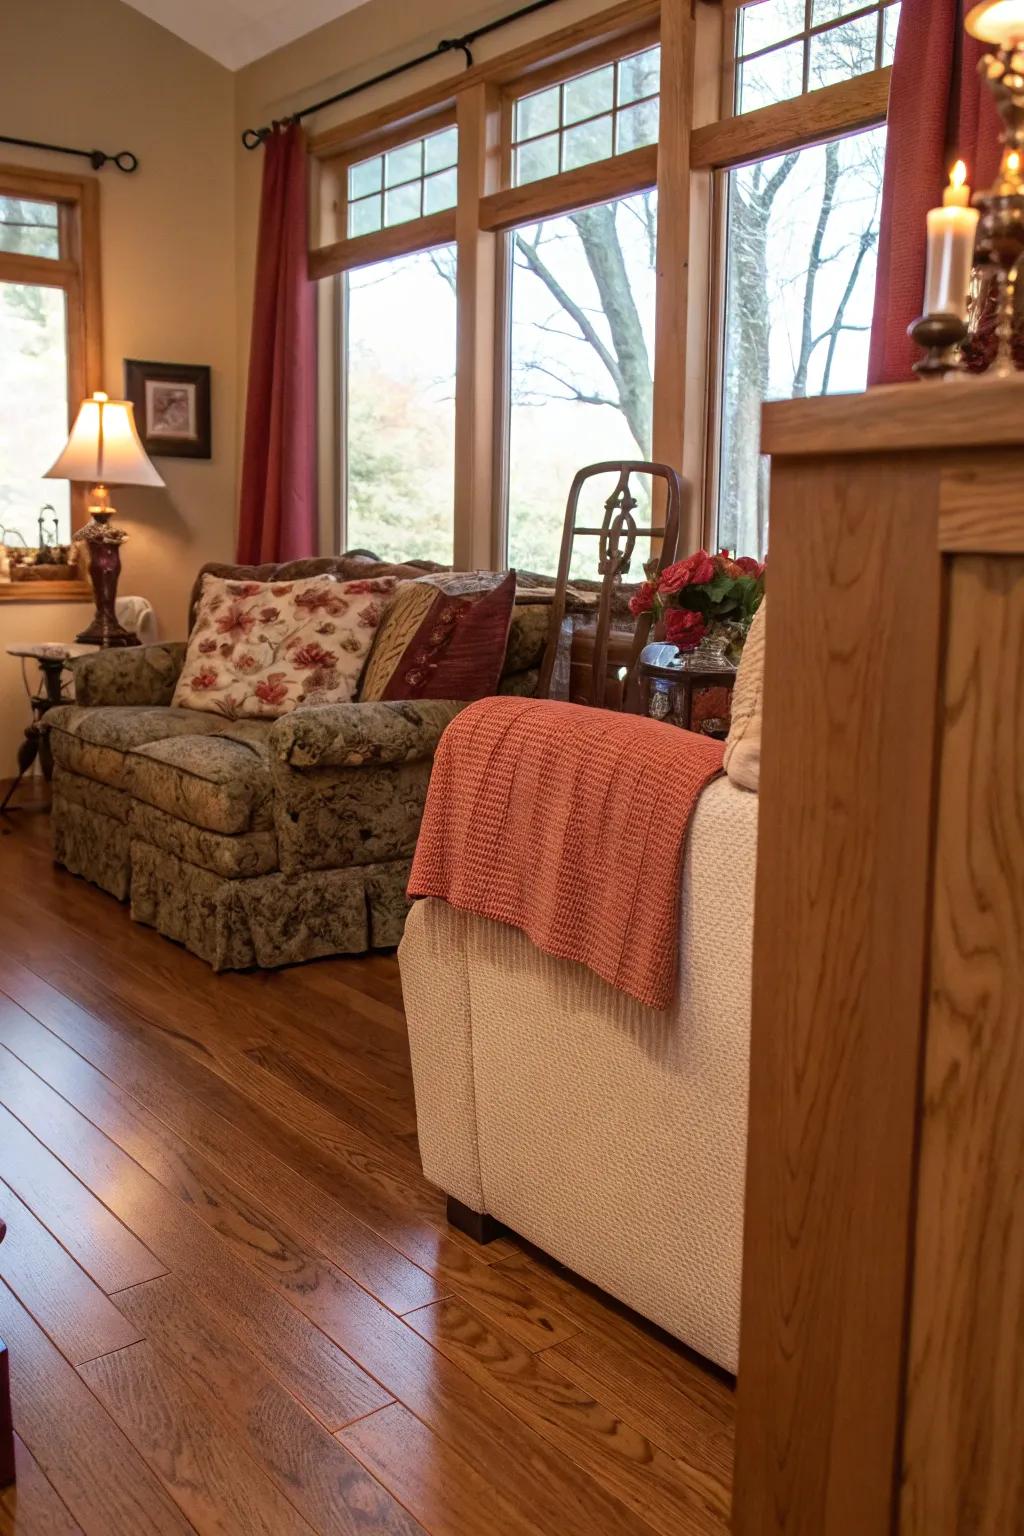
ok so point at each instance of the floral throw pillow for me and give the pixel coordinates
(259, 649)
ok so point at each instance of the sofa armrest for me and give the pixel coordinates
(362, 735)
(144, 674)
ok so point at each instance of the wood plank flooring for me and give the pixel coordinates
(232, 1301)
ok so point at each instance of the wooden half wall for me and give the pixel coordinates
(881, 1385)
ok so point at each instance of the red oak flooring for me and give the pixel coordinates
(233, 1303)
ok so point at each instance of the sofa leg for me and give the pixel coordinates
(476, 1224)
(6, 1420)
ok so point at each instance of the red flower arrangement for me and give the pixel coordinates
(703, 595)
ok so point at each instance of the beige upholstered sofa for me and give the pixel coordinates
(609, 1135)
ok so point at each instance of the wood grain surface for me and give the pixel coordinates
(246, 1248)
(963, 1452)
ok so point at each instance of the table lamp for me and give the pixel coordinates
(104, 448)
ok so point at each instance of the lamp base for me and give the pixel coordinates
(104, 546)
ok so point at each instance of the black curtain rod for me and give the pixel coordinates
(124, 159)
(252, 138)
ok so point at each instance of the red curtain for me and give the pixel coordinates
(278, 514)
(940, 110)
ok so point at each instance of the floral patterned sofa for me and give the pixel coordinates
(252, 842)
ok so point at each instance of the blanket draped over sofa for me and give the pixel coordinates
(570, 824)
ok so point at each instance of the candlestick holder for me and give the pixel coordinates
(999, 251)
(940, 337)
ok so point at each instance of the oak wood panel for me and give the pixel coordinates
(653, 1404)
(673, 1497)
(383, 245)
(46, 592)
(600, 182)
(981, 507)
(654, 1358)
(31, 1506)
(840, 952)
(76, 1314)
(443, 1490)
(312, 1082)
(359, 1184)
(203, 1469)
(90, 1464)
(112, 1256)
(672, 362)
(976, 412)
(311, 1214)
(576, 38)
(322, 1376)
(479, 120)
(963, 1451)
(846, 107)
(327, 1484)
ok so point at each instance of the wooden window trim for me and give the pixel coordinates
(601, 182)
(383, 244)
(77, 273)
(849, 107)
(518, 64)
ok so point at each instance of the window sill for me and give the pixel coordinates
(45, 592)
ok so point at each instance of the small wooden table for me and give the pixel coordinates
(52, 660)
(681, 694)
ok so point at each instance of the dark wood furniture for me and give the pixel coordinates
(617, 538)
(6, 1418)
(694, 696)
(52, 661)
(882, 1339)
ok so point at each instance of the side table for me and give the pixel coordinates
(52, 660)
(693, 693)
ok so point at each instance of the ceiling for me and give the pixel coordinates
(235, 32)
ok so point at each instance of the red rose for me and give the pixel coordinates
(684, 628)
(694, 571)
(750, 567)
(642, 600)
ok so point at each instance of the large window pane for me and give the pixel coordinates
(582, 357)
(33, 413)
(802, 237)
(785, 48)
(400, 406)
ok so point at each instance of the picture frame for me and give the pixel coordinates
(172, 407)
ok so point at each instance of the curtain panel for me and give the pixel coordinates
(278, 510)
(939, 111)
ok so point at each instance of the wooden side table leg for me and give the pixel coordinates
(6, 1420)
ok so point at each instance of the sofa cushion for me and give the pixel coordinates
(436, 643)
(212, 781)
(239, 856)
(261, 649)
(743, 745)
(95, 742)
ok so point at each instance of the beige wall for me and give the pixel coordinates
(95, 72)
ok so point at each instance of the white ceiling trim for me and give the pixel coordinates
(237, 32)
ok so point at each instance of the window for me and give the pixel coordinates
(605, 112)
(581, 362)
(48, 347)
(800, 285)
(410, 181)
(399, 338)
(787, 47)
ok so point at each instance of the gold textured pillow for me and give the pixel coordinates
(411, 604)
(743, 744)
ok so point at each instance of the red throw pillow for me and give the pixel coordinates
(459, 649)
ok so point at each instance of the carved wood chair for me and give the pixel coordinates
(617, 538)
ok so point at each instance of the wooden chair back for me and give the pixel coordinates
(617, 539)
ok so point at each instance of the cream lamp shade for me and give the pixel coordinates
(1000, 22)
(104, 447)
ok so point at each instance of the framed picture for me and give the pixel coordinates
(172, 407)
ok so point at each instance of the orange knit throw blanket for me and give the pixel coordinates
(569, 823)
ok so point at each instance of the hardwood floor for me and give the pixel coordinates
(233, 1303)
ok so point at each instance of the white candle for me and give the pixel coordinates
(952, 232)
